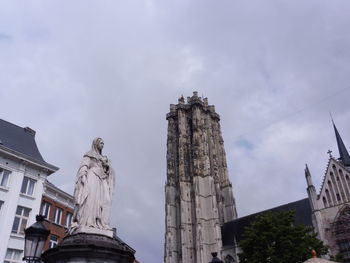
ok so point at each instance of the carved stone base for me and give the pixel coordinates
(84, 247)
(92, 230)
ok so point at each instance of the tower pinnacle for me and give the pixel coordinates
(198, 192)
(343, 152)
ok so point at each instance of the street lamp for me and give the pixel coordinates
(35, 237)
(215, 258)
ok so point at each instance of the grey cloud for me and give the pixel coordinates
(273, 69)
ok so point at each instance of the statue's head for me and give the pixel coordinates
(97, 145)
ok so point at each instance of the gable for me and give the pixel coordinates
(335, 188)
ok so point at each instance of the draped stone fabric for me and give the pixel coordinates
(93, 191)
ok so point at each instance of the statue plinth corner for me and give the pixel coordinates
(90, 247)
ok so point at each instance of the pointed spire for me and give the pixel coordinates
(307, 172)
(311, 190)
(308, 176)
(343, 152)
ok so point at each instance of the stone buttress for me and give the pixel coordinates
(198, 191)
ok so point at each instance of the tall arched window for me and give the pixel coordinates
(324, 201)
(335, 189)
(345, 185)
(330, 203)
(331, 191)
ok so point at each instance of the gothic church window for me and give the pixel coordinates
(338, 197)
(335, 187)
(330, 186)
(324, 201)
(329, 198)
(346, 186)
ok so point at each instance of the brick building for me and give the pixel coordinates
(57, 206)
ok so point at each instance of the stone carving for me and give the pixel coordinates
(198, 191)
(93, 193)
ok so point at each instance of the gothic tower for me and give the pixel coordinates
(198, 191)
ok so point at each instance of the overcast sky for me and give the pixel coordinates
(75, 70)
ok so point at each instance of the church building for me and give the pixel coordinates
(328, 211)
(200, 208)
(331, 207)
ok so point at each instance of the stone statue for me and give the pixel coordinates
(93, 193)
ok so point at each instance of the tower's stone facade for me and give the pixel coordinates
(198, 191)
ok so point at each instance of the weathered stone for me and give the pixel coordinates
(198, 191)
(90, 238)
(83, 247)
(93, 193)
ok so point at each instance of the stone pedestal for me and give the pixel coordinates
(85, 247)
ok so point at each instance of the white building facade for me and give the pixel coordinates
(22, 174)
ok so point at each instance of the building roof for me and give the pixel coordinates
(21, 142)
(235, 228)
(56, 190)
(343, 152)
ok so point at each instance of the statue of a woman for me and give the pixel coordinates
(93, 192)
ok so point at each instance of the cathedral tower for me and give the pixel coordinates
(198, 191)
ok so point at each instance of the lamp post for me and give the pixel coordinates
(35, 237)
(215, 258)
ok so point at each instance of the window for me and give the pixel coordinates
(58, 215)
(28, 186)
(53, 241)
(21, 219)
(69, 219)
(13, 256)
(324, 201)
(4, 177)
(338, 197)
(1, 203)
(45, 209)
